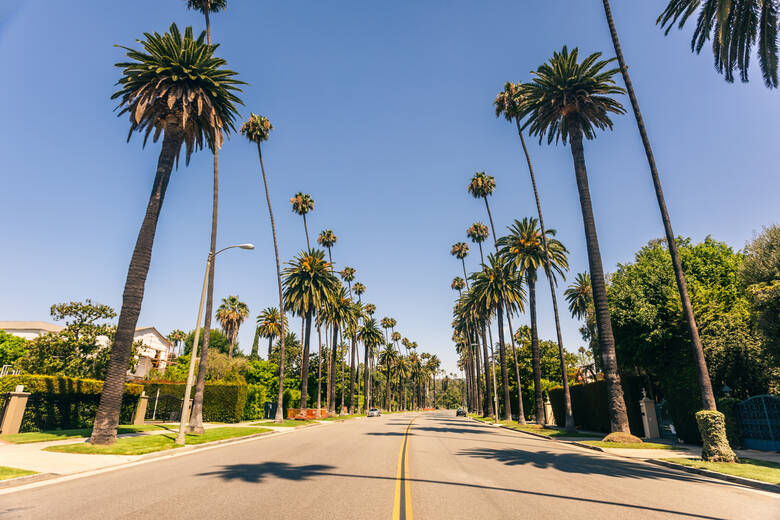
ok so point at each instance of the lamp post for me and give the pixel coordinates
(185, 405)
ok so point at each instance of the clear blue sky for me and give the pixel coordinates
(382, 112)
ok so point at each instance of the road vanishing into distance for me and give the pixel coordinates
(400, 466)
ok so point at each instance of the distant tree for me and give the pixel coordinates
(217, 342)
(231, 313)
(11, 348)
(302, 203)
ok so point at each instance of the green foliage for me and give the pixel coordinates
(62, 402)
(589, 403)
(217, 341)
(712, 426)
(450, 393)
(11, 348)
(222, 401)
(728, 407)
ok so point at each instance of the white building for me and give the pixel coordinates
(156, 351)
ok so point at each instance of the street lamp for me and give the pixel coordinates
(185, 406)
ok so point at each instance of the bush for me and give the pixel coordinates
(59, 402)
(589, 405)
(256, 396)
(622, 437)
(222, 401)
(728, 407)
(715, 446)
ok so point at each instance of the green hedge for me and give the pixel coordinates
(59, 402)
(589, 405)
(728, 407)
(222, 401)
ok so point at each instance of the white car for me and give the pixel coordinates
(374, 412)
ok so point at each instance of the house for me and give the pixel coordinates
(156, 351)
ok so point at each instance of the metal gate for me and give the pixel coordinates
(665, 423)
(759, 421)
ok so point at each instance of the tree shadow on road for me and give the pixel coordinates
(258, 472)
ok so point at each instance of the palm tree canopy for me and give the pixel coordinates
(340, 310)
(369, 309)
(178, 81)
(370, 334)
(478, 232)
(481, 185)
(211, 6)
(359, 288)
(308, 282)
(269, 323)
(388, 356)
(579, 295)
(348, 274)
(458, 283)
(460, 250)
(327, 237)
(302, 203)
(523, 335)
(509, 101)
(524, 248)
(257, 128)
(565, 92)
(231, 313)
(176, 335)
(735, 27)
(395, 336)
(498, 284)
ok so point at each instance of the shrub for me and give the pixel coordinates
(222, 401)
(256, 396)
(728, 407)
(59, 402)
(621, 437)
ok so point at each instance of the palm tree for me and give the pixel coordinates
(402, 367)
(327, 239)
(338, 310)
(388, 356)
(509, 104)
(478, 233)
(348, 275)
(432, 367)
(308, 285)
(570, 100)
(176, 336)
(730, 31)
(524, 248)
(369, 309)
(387, 323)
(231, 314)
(269, 326)
(460, 250)
(149, 75)
(482, 186)
(196, 417)
(497, 288)
(302, 203)
(735, 28)
(458, 284)
(371, 337)
(256, 130)
(579, 295)
(475, 318)
(352, 330)
(359, 289)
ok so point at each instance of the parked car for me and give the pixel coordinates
(374, 412)
(460, 413)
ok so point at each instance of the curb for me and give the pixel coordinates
(757, 484)
(26, 479)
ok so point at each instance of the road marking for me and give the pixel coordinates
(402, 505)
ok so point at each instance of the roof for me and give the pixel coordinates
(155, 332)
(30, 325)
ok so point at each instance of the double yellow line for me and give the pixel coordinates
(402, 505)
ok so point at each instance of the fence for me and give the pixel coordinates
(759, 422)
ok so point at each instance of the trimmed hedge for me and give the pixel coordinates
(59, 402)
(712, 426)
(589, 405)
(222, 401)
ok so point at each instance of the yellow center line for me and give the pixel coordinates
(402, 504)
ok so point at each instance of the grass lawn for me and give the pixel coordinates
(635, 445)
(151, 443)
(287, 423)
(58, 435)
(342, 417)
(748, 468)
(6, 472)
(547, 432)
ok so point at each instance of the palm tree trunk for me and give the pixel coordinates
(387, 387)
(365, 377)
(488, 406)
(332, 372)
(306, 230)
(352, 376)
(465, 276)
(705, 386)
(566, 393)
(520, 408)
(107, 417)
(618, 417)
(319, 370)
(233, 334)
(304, 403)
(255, 345)
(504, 372)
(477, 372)
(541, 416)
(270, 346)
(280, 397)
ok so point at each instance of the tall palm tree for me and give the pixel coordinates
(478, 233)
(308, 285)
(327, 239)
(570, 100)
(352, 330)
(735, 27)
(388, 356)
(579, 295)
(256, 130)
(196, 417)
(482, 186)
(730, 30)
(371, 337)
(402, 368)
(369, 309)
(387, 323)
(269, 325)
(460, 250)
(359, 289)
(458, 284)
(176, 337)
(433, 365)
(498, 289)
(476, 318)
(337, 311)
(231, 314)
(524, 248)
(193, 112)
(348, 275)
(509, 104)
(302, 203)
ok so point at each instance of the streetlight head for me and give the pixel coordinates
(247, 246)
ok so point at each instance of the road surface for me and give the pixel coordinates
(404, 466)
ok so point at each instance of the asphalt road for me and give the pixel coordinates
(440, 467)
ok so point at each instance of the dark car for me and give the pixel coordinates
(460, 413)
